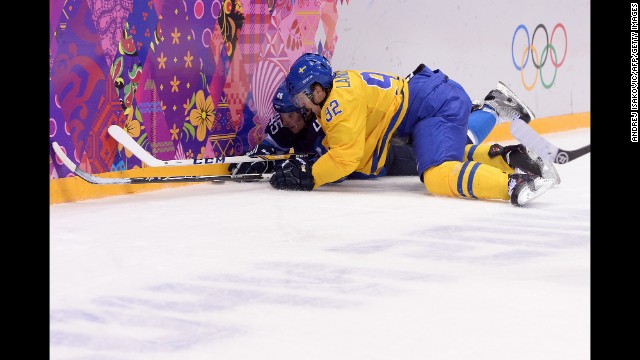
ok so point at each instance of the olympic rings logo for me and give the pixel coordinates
(549, 52)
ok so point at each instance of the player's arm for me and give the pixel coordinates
(345, 140)
(344, 125)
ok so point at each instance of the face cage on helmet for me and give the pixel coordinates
(301, 110)
(307, 92)
(292, 108)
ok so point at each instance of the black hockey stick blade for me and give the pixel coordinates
(564, 156)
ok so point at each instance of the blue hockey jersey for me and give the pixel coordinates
(280, 138)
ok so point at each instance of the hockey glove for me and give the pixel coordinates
(293, 174)
(256, 167)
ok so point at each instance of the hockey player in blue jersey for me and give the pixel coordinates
(291, 127)
(360, 111)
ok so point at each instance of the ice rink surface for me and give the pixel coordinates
(365, 269)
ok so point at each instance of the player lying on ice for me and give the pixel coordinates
(372, 151)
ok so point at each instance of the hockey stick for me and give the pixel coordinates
(128, 142)
(546, 150)
(534, 141)
(99, 180)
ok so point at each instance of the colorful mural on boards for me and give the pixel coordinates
(186, 79)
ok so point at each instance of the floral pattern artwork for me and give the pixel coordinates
(184, 78)
(202, 116)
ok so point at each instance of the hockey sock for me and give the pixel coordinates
(481, 122)
(467, 179)
(480, 153)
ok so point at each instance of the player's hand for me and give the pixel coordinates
(294, 174)
(254, 167)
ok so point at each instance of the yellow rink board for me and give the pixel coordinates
(76, 189)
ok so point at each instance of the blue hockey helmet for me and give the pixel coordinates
(308, 69)
(282, 100)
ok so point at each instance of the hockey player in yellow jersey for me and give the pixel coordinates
(360, 112)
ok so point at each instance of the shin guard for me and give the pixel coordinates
(469, 179)
(480, 153)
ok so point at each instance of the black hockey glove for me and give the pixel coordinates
(256, 167)
(293, 174)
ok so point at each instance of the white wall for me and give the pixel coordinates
(471, 42)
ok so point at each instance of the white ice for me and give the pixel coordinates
(365, 269)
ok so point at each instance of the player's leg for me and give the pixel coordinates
(482, 120)
(444, 175)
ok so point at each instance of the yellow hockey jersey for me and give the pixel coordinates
(359, 116)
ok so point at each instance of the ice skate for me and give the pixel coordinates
(507, 105)
(525, 160)
(525, 187)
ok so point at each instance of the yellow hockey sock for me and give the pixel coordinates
(467, 179)
(480, 153)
